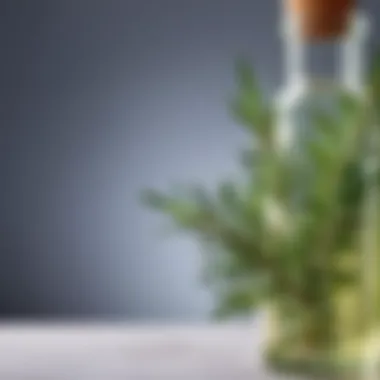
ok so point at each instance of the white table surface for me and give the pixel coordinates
(90, 351)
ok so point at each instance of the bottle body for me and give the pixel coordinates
(331, 324)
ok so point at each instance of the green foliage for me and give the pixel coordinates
(252, 256)
(249, 106)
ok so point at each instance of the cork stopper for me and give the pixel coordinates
(320, 20)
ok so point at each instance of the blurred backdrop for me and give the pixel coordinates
(99, 99)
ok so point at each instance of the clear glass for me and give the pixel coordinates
(347, 344)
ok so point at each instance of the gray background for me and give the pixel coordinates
(98, 100)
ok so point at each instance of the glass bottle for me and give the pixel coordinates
(302, 94)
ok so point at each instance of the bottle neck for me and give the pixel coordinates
(351, 49)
